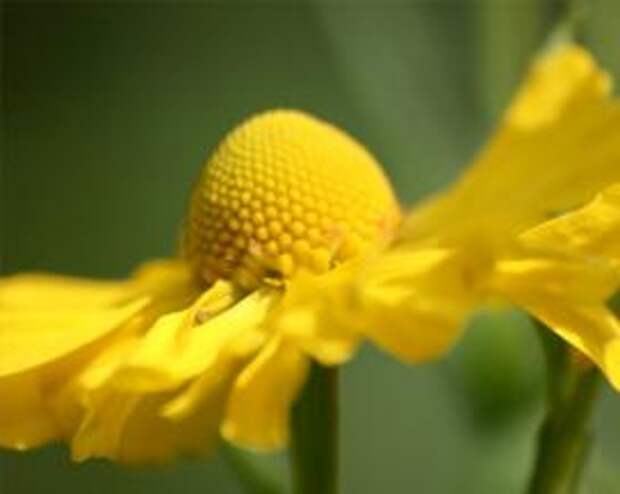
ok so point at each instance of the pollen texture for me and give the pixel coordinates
(285, 191)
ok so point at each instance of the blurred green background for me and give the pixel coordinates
(109, 111)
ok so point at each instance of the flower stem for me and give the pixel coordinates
(314, 445)
(565, 434)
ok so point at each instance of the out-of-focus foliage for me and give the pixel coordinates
(110, 110)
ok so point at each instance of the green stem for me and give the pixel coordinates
(314, 445)
(565, 435)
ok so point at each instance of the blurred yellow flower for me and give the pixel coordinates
(518, 226)
(161, 363)
(289, 253)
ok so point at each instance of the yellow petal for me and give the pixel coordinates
(183, 344)
(572, 279)
(129, 428)
(25, 421)
(101, 430)
(545, 158)
(149, 410)
(593, 230)
(569, 297)
(416, 302)
(61, 339)
(320, 336)
(562, 80)
(312, 313)
(44, 317)
(411, 302)
(594, 330)
(612, 363)
(44, 403)
(51, 292)
(164, 277)
(33, 338)
(261, 398)
(221, 373)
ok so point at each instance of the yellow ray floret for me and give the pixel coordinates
(522, 225)
(569, 277)
(163, 362)
(55, 330)
(556, 147)
(593, 230)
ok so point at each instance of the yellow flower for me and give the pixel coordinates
(161, 363)
(516, 227)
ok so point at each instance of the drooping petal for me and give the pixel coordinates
(150, 436)
(261, 398)
(411, 302)
(130, 428)
(570, 293)
(314, 313)
(30, 339)
(44, 317)
(569, 297)
(183, 344)
(166, 279)
(593, 230)
(25, 421)
(558, 145)
(47, 317)
(563, 80)
(219, 374)
(594, 330)
(574, 279)
(42, 351)
(53, 292)
(53, 394)
(167, 395)
(58, 337)
(416, 302)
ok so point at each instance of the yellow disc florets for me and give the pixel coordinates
(285, 191)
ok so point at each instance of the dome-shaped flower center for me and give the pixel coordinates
(285, 191)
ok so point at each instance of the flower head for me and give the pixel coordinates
(158, 364)
(284, 192)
